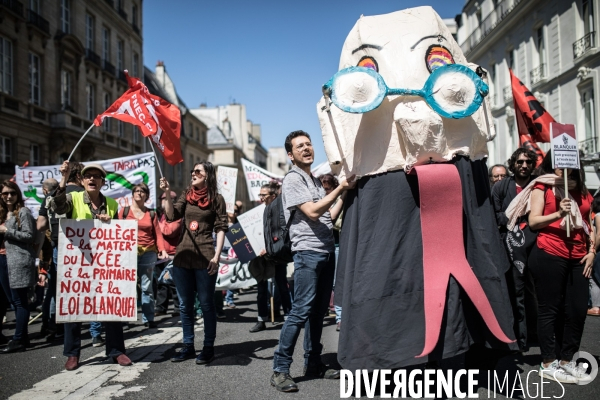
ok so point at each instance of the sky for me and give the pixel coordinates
(272, 56)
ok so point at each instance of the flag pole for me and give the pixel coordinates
(156, 157)
(75, 148)
(566, 197)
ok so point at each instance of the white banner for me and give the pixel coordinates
(97, 271)
(256, 177)
(252, 223)
(233, 274)
(227, 184)
(123, 173)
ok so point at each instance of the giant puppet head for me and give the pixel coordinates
(404, 95)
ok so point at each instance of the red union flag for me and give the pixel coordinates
(533, 121)
(156, 118)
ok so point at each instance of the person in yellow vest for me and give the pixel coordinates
(89, 204)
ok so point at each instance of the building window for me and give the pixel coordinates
(121, 129)
(34, 5)
(510, 61)
(512, 138)
(34, 155)
(65, 15)
(541, 48)
(120, 52)
(89, 94)
(65, 89)
(106, 122)
(89, 32)
(492, 82)
(34, 79)
(105, 44)
(5, 150)
(588, 16)
(197, 134)
(136, 135)
(134, 15)
(587, 99)
(136, 62)
(6, 66)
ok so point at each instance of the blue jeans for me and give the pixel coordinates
(313, 281)
(95, 328)
(18, 299)
(229, 297)
(338, 309)
(145, 270)
(189, 282)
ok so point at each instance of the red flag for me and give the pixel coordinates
(533, 121)
(155, 117)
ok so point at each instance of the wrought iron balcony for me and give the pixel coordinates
(537, 74)
(108, 67)
(507, 94)
(36, 20)
(122, 13)
(503, 8)
(14, 6)
(589, 146)
(584, 44)
(93, 57)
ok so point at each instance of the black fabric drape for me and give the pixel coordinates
(379, 281)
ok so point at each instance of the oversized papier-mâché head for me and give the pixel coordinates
(404, 95)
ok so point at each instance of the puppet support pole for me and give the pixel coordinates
(568, 218)
(75, 148)
(156, 157)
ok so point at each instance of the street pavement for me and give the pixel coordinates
(241, 370)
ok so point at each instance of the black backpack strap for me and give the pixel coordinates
(125, 212)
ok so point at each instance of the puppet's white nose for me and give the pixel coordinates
(421, 131)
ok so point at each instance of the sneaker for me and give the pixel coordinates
(260, 326)
(283, 382)
(185, 353)
(321, 371)
(97, 341)
(231, 305)
(206, 355)
(578, 371)
(555, 373)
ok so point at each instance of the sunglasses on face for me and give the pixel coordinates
(197, 172)
(6, 194)
(93, 176)
(521, 162)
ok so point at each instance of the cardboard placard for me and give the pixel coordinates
(97, 271)
(240, 243)
(565, 150)
(252, 223)
(227, 185)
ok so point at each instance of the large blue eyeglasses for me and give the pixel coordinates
(452, 91)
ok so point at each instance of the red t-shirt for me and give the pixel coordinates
(519, 189)
(149, 233)
(552, 239)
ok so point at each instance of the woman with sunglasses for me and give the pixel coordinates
(17, 259)
(561, 265)
(150, 246)
(196, 260)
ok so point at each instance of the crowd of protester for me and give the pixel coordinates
(552, 282)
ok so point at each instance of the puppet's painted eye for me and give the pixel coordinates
(368, 62)
(437, 56)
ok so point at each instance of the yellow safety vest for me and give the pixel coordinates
(81, 210)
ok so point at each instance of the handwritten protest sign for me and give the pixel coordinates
(252, 223)
(226, 184)
(123, 174)
(240, 243)
(565, 151)
(97, 267)
(256, 177)
(233, 273)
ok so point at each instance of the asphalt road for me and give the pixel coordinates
(241, 370)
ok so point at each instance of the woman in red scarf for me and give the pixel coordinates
(196, 260)
(561, 266)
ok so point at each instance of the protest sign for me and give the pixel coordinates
(256, 177)
(233, 274)
(97, 271)
(565, 151)
(123, 174)
(252, 223)
(227, 184)
(240, 244)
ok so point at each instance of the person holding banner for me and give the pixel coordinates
(560, 265)
(88, 204)
(17, 259)
(196, 261)
(150, 246)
